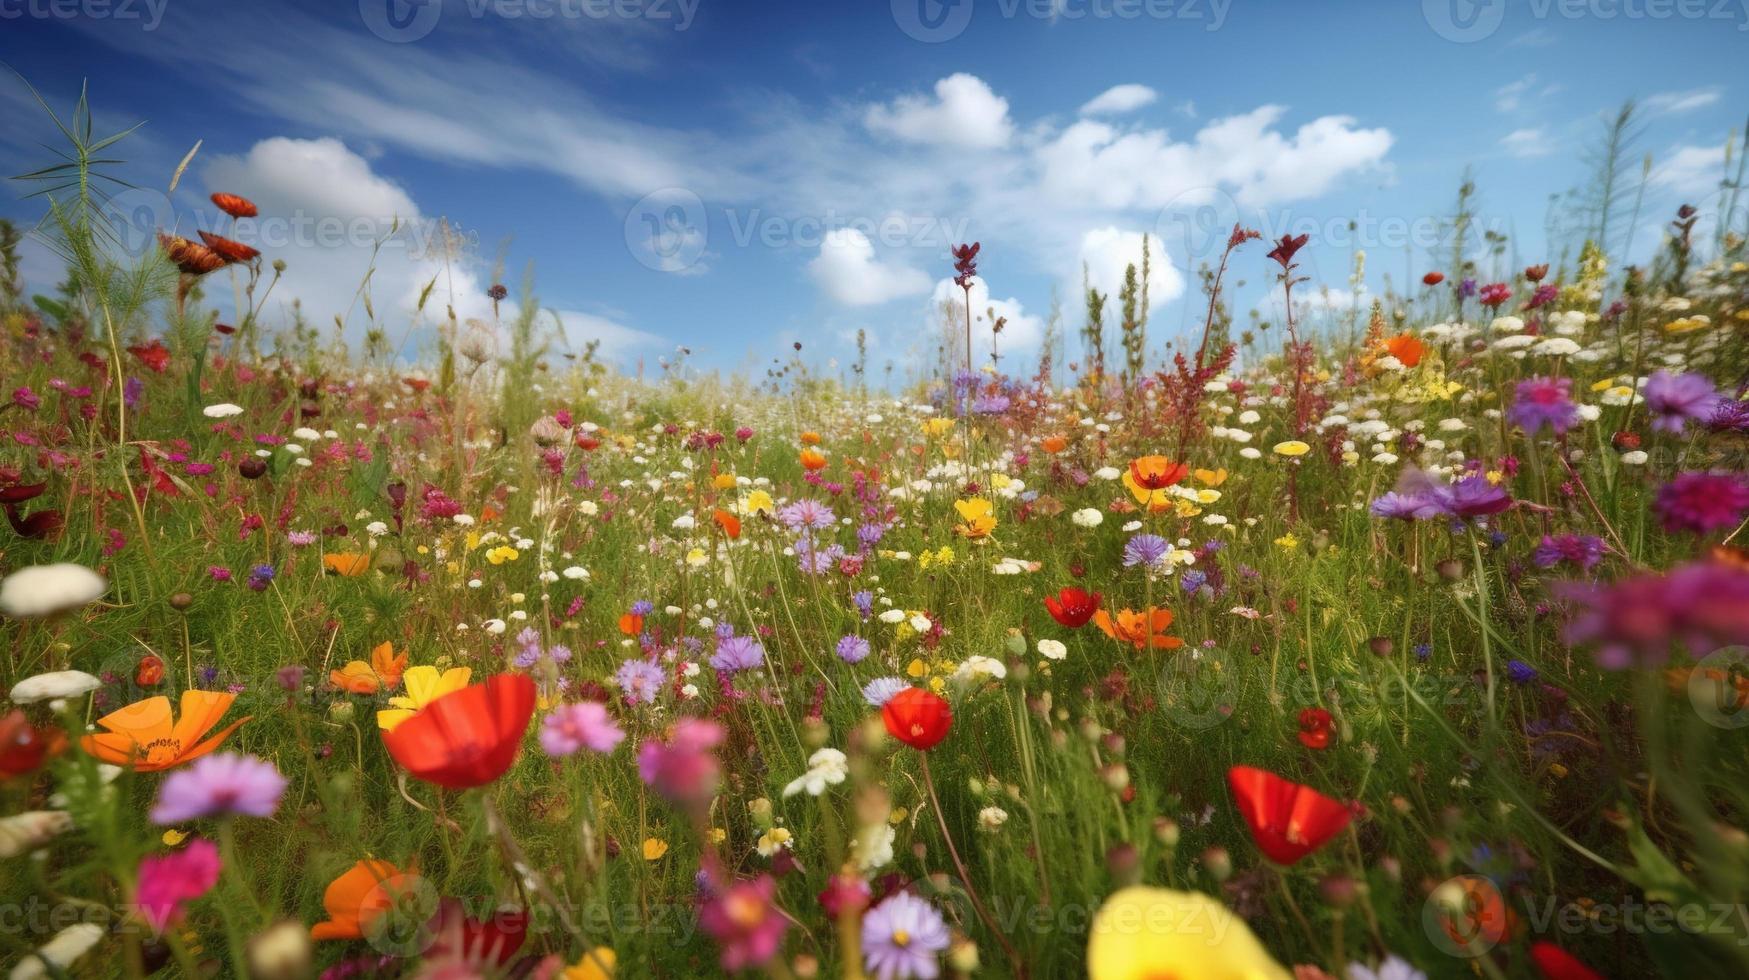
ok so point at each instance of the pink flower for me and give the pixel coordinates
(218, 786)
(169, 880)
(1702, 502)
(683, 768)
(745, 923)
(571, 727)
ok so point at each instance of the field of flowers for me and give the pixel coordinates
(1407, 649)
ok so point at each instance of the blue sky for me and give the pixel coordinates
(737, 176)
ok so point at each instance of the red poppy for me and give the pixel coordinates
(588, 443)
(153, 355)
(22, 747)
(1156, 472)
(417, 384)
(917, 717)
(1072, 607)
(236, 207)
(467, 738)
(631, 624)
(1314, 728)
(1555, 963)
(1433, 279)
(150, 672)
(730, 524)
(229, 249)
(1288, 821)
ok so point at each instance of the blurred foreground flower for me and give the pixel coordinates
(43, 589)
(1145, 933)
(467, 738)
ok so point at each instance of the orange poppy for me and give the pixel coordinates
(1406, 349)
(730, 524)
(383, 671)
(1210, 478)
(347, 563)
(631, 624)
(356, 898)
(488, 514)
(230, 249)
(235, 206)
(1139, 629)
(142, 735)
(1156, 472)
(1054, 444)
(467, 738)
(813, 460)
(810, 438)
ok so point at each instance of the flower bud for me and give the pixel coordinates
(280, 952)
(1218, 863)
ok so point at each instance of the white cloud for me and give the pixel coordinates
(1691, 171)
(1528, 142)
(849, 273)
(322, 209)
(1107, 252)
(964, 112)
(1120, 99)
(1512, 96)
(1021, 333)
(1698, 98)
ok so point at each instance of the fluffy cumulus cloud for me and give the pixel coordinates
(1120, 99)
(1021, 333)
(1692, 171)
(964, 112)
(1107, 252)
(324, 210)
(848, 271)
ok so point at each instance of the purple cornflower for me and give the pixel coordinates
(1148, 550)
(585, 725)
(1192, 580)
(881, 690)
(1544, 401)
(1730, 415)
(901, 938)
(1474, 496)
(219, 786)
(1404, 507)
(736, 653)
(1584, 550)
(1519, 672)
(991, 405)
(1674, 399)
(852, 649)
(260, 577)
(1702, 502)
(864, 603)
(643, 607)
(806, 515)
(817, 561)
(639, 680)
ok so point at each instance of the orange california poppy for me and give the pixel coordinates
(631, 624)
(1054, 444)
(1406, 349)
(347, 563)
(353, 900)
(1156, 472)
(383, 671)
(467, 738)
(730, 524)
(1210, 478)
(810, 438)
(813, 460)
(1139, 629)
(144, 736)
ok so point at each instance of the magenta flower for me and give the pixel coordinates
(1701, 606)
(1674, 399)
(1702, 502)
(1544, 401)
(169, 880)
(683, 768)
(745, 923)
(1583, 550)
(573, 727)
(901, 937)
(218, 786)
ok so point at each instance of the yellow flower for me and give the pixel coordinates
(424, 685)
(716, 835)
(758, 502)
(1155, 500)
(654, 848)
(773, 840)
(916, 668)
(472, 540)
(174, 837)
(597, 964)
(976, 519)
(696, 557)
(1142, 933)
(502, 554)
(898, 815)
(1184, 508)
(936, 428)
(944, 555)
(1688, 324)
(1292, 447)
(724, 481)
(1287, 542)
(1210, 478)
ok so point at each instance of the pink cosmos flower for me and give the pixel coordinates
(169, 880)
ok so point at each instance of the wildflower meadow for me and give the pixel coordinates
(1406, 638)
